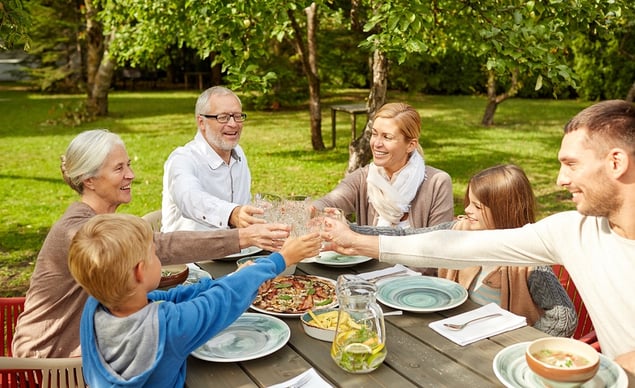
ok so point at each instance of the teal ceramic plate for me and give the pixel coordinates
(334, 259)
(196, 274)
(243, 252)
(251, 336)
(421, 293)
(512, 370)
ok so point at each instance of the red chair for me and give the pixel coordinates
(584, 331)
(18, 372)
(32, 372)
(10, 308)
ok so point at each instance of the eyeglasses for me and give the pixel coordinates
(224, 117)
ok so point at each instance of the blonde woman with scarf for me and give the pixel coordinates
(397, 189)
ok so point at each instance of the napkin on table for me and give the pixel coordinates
(313, 381)
(387, 271)
(480, 329)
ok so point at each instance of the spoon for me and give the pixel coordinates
(456, 326)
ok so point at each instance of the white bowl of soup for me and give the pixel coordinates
(562, 362)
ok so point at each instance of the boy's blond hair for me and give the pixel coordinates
(104, 253)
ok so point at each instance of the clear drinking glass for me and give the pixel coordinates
(296, 212)
(269, 203)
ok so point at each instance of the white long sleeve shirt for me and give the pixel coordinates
(200, 190)
(600, 262)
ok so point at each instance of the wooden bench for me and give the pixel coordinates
(354, 110)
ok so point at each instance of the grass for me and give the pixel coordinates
(278, 146)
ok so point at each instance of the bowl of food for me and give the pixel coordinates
(172, 275)
(320, 324)
(290, 270)
(562, 362)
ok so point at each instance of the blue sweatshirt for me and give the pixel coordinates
(150, 347)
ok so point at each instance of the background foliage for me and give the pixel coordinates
(440, 47)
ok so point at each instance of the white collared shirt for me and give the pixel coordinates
(200, 190)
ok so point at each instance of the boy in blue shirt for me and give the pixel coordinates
(127, 337)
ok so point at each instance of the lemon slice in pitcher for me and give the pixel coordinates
(358, 348)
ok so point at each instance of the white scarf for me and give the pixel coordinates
(391, 198)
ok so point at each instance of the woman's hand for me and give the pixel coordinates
(339, 237)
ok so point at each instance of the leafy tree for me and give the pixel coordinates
(530, 39)
(57, 49)
(239, 35)
(513, 39)
(14, 23)
(71, 51)
(605, 62)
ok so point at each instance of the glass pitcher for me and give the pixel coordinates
(359, 345)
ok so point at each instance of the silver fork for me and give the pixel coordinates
(459, 326)
(400, 273)
(302, 382)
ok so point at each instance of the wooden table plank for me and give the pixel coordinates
(200, 373)
(427, 366)
(280, 366)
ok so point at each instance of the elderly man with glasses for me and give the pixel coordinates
(207, 183)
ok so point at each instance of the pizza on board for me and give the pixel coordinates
(295, 294)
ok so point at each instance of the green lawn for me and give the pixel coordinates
(278, 146)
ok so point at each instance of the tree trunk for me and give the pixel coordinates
(493, 99)
(100, 66)
(630, 97)
(308, 54)
(314, 80)
(355, 15)
(490, 110)
(99, 101)
(94, 45)
(359, 149)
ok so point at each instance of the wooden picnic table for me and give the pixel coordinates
(417, 355)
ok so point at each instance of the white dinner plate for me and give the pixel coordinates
(512, 370)
(243, 252)
(251, 336)
(334, 259)
(288, 315)
(421, 293)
